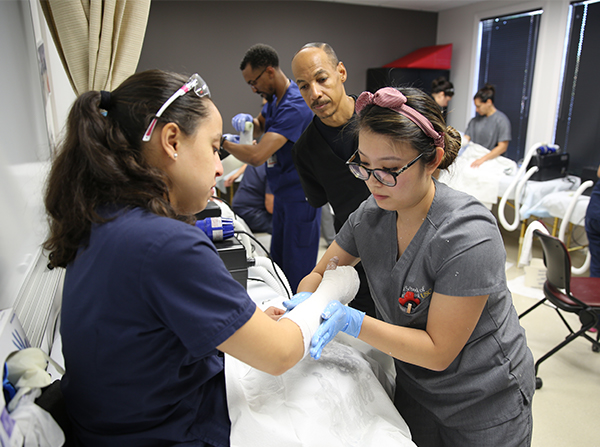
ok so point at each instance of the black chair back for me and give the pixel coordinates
(557, 261)
(558, 274)
(557, 290)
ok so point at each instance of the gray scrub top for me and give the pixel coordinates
(488, 131)
(458, 251)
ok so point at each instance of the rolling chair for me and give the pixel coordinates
(579, 295)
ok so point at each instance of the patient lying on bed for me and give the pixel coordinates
(343, 399)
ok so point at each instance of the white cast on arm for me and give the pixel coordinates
(340, 284)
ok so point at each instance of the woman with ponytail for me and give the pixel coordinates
(442, 91)
(490, 127)
(148, 306)
(435, 261)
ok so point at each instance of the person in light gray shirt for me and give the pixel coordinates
(490, 128)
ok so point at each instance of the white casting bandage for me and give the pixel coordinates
(340, 284)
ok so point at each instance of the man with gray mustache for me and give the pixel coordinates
(320, 154)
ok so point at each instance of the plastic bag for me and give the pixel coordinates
(31, 426)
(34, 424)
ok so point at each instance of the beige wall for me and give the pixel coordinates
(211, 37)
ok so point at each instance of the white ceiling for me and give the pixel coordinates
(420, 5)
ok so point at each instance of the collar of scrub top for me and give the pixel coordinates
(196, 83)
(393, 99)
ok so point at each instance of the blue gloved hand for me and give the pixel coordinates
(336, 318)
(296, 299)
(239, 121)
(231, 137)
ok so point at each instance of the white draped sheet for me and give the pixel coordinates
(343, 399)
(338, 400)
(491, 180)
(483, 182)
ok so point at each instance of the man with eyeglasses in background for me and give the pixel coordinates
(283, 118)
(321, 152)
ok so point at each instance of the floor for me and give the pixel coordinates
(567, 407)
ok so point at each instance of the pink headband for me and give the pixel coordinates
(390, 98)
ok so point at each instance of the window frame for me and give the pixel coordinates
(517, 145)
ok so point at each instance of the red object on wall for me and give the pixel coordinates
(435, 57)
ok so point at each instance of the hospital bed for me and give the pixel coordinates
(500, 180)
(573, 214)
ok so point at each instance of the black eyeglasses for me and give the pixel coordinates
(383, 176)
(253, 83)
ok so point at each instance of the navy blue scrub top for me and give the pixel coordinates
(145, 305)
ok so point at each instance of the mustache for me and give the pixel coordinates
(317, 103)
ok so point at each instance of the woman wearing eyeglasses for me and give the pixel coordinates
(148, 305)
(435, 261)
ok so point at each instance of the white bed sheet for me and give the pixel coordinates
(335, 401)
(538, 197)
(343, 399)
(483, 182)
(555, 204)
(536, 190)
(493, 178)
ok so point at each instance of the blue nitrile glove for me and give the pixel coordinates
(239, 121)
(296, 299)
(336, 318)
(231, 137)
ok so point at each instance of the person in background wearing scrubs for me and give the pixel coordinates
(321, 152)
(442, 91)
(148, 306)
(435, 262)
(490, 128)
(253, 200)
(592, 228)
(296, 224)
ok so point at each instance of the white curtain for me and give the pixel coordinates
(99, 41)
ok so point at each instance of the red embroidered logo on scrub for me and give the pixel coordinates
(409, 300)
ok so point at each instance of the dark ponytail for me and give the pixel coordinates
(442, 84)
(488, 91)
(101, 160)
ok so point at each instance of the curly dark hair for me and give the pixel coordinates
(260, 56)
(101, 160)
(384, 121)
